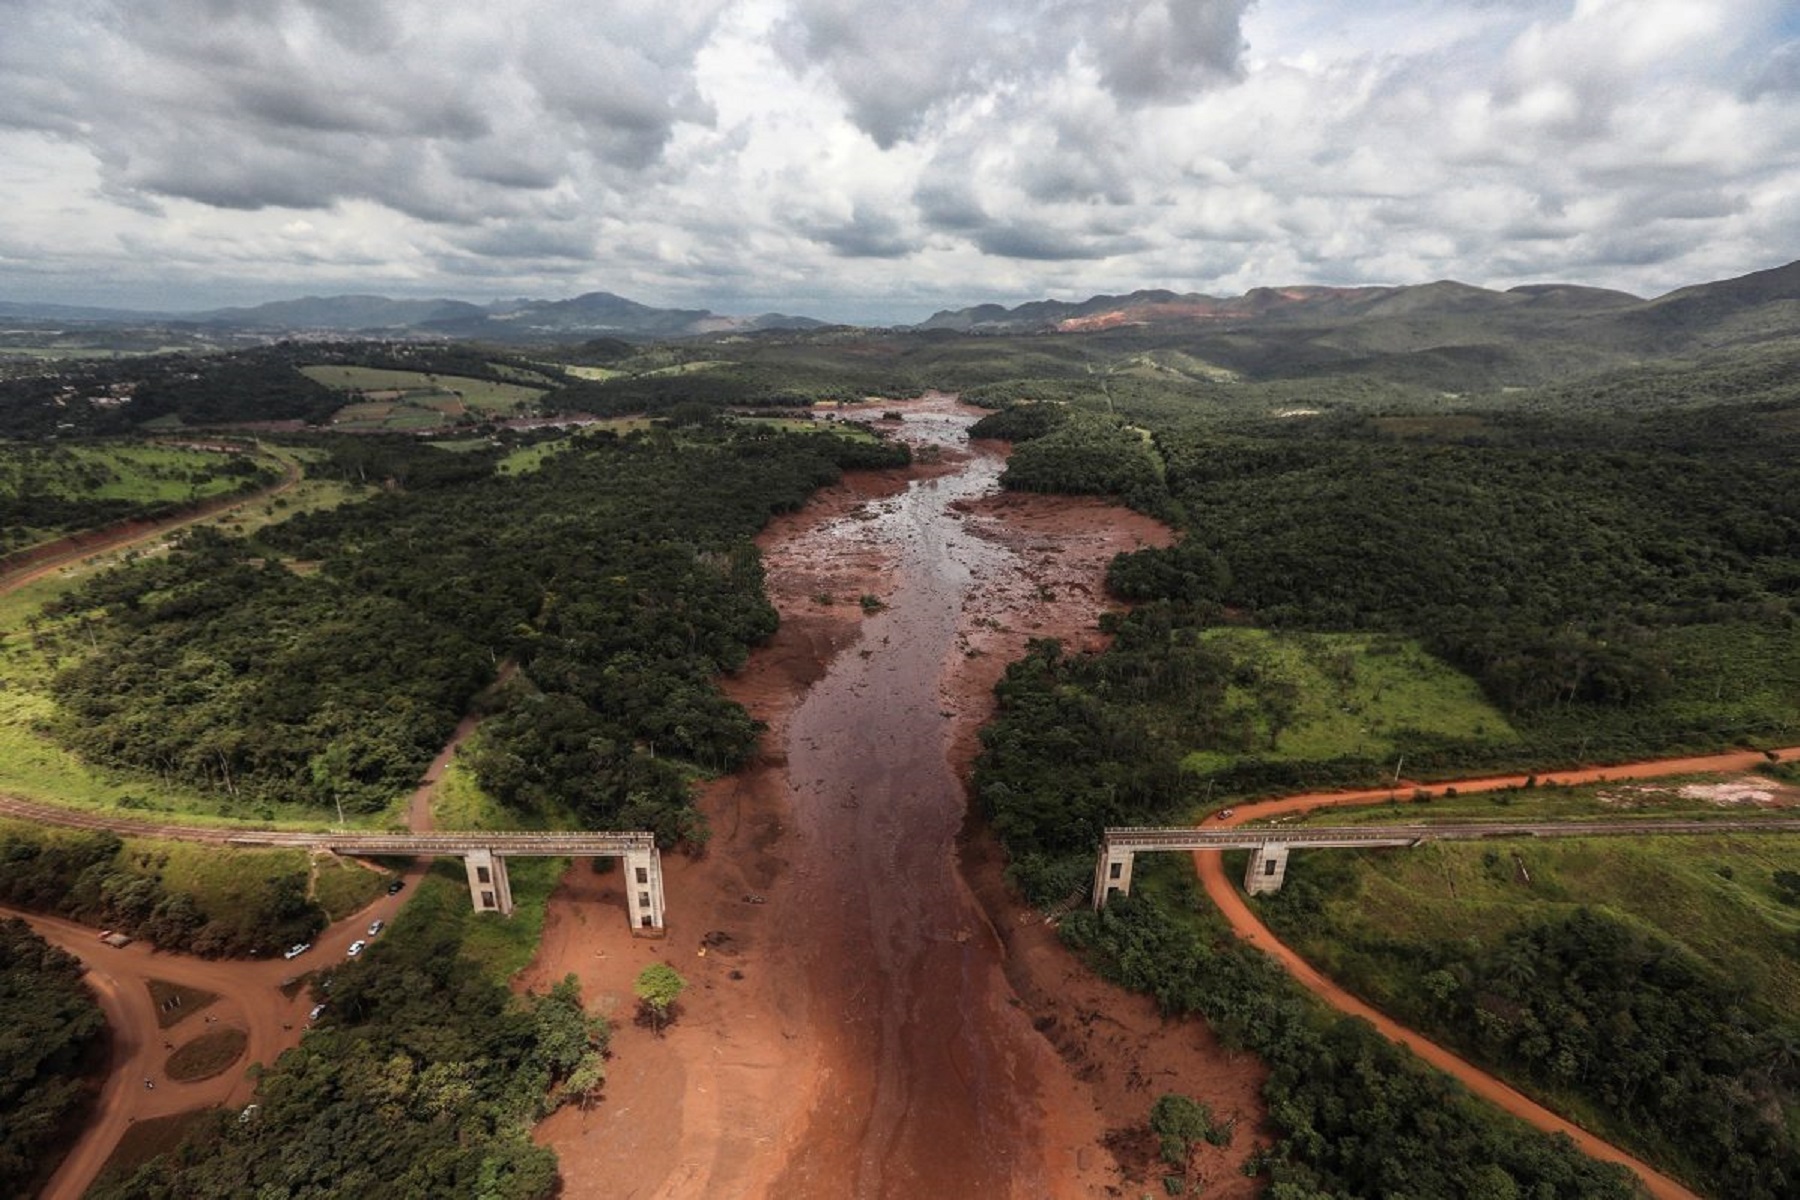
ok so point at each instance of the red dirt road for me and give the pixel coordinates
(250, 999)
(1233, 904)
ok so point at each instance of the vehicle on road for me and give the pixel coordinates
(394, 887)
(376, 927)
(1224, 814)
(356, 948)
(296, 950)
(314, 1014)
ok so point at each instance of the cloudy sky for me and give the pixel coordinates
(879, 159)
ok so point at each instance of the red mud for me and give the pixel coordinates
(870, 1012)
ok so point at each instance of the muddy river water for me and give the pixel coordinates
(930, 1068)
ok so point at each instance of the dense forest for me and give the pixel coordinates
(619, 579)
(1685, 1062)
(1613, 566)
(94, 877)
(53, 1030)
(1358, 1116)
(423, 1078)
(87, 397)
(1620, 584)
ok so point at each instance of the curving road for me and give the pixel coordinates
(250, 999)
(1232, 903)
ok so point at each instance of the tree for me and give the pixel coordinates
(657, 987)
(1183, 1123)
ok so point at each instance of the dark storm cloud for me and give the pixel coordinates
(897, 62)
(951, 206)
(1167, 50)
(1045, 243)
(867, 234)
(837, 150)
(528, 240)
(306, 103)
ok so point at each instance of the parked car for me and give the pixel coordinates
(314, 1014)
(376, 927)
(395, 886)
(296, 950)
(250, 1110)
(356, 948)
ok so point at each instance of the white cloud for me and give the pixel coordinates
(860, 156)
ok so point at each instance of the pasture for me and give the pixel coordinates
(414, 400)
(1313, 696)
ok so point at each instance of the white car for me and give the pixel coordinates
(314, 1014)
(375, 927)
(356, 947)
(296, 950)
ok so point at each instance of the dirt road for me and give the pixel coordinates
(1231, 901)
(250, 999)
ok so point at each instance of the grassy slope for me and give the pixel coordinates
(1712, 895)
(476, 393)
(1351, 694)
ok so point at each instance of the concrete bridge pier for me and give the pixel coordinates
(488, 885)
(644, 889)
(1112, 873)
(1267, 869)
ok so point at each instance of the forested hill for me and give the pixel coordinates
(620, 578)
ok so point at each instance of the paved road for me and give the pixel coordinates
(1243, 920)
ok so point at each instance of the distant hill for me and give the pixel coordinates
(596, 314)
(1159, 309)
(1439, 318)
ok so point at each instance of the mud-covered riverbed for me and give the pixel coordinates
(863, 1021)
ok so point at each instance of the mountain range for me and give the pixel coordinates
(1376, 318)
(595, 314)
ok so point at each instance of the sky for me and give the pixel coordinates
(877, 160)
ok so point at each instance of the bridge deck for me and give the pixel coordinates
(1251, 837)
(515, 844)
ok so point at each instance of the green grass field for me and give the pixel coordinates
(1312, 696)
(144, 1140)
(48, 491)
(222, 879)
(484, 395)
(146, 474)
